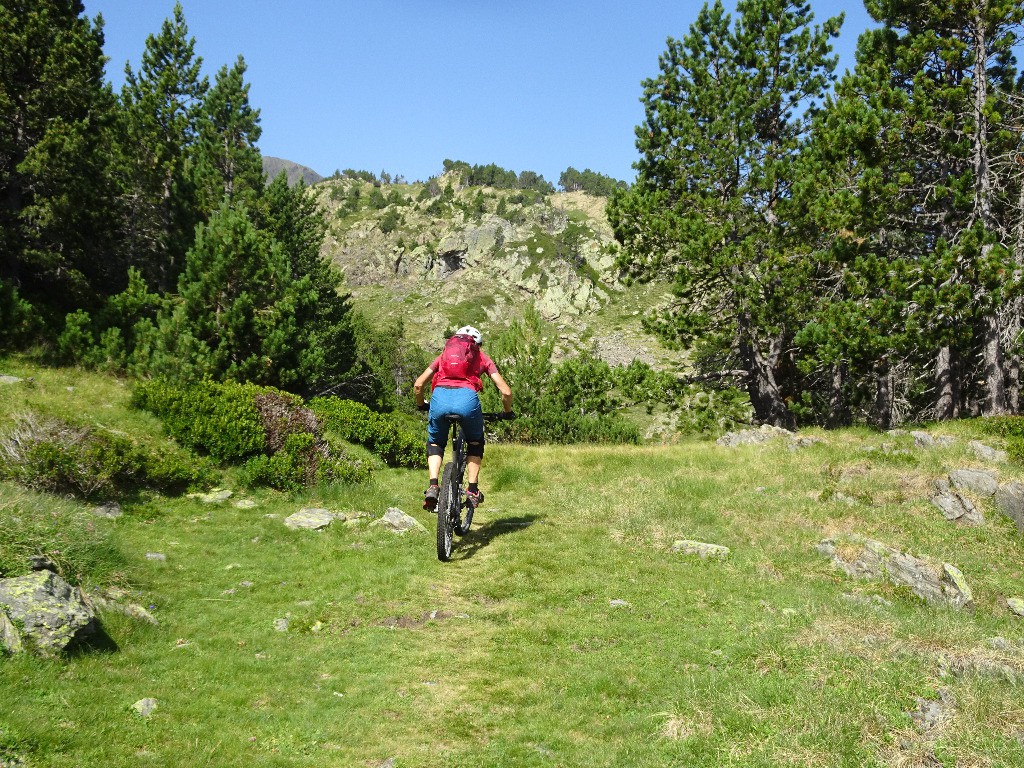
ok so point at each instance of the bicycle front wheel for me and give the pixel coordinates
(447, 512)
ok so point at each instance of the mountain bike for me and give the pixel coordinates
(454, 511)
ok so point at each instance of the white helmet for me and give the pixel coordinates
(469, 330)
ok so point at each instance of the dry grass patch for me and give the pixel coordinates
(681, 727)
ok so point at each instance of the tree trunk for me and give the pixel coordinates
(947, 403)
(838, 412)
(983, 187)
(992, 365)
(762, 387)
(883, 395)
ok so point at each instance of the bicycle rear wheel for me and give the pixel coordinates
(447, 512)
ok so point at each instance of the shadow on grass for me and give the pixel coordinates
(480, 536)
(96, 642)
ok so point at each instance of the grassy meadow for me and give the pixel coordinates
(564, 632)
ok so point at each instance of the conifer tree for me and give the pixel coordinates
(725, 120)
(57, 221)
(228, 165)
(238, 312)
(162, 104)
(916, 129)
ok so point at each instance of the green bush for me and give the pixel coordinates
(56, 457)
(272, 431)
(220, 419)
(303, 460)
(382, 434)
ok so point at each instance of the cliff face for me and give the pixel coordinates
(440, 256)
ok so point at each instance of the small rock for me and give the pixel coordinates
(156, 556)
(399, 522)
(987, 453)
(999, 644)
(246, 584)
(1016, 605)
(145, 707)
(245, 504)
(842, 498)
(42, 563)
(281, 625)
(931, 714)
(703, 550)
(310, 518)
(109, 510)
(618, 603)
(5, 379)
(213, 497)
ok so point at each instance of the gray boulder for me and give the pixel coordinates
(924, 440)
(987, 453)
(310, 519)
(935, 583)
(979, 481)
(397, 521)
(50, 613)
(954, 506)
(1010, 500)
(10, 640)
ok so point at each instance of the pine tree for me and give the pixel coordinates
(916, 129)
(292, 218)
(238, 313)
(57, 220)
(725, 121)
(228, 165)
(162, 104)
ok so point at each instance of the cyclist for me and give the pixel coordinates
(456, 383)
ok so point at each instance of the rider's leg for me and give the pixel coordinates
(473, 468)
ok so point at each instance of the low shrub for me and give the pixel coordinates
(277, 437)
(303, 460)
(221, 419)
(54, 456)
(380, 433)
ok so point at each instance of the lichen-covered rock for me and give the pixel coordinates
(924, 440)
(1016, 605)
(935, 583)
(10, 640)
(48, 611)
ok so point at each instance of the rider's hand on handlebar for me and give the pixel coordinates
(423, 407)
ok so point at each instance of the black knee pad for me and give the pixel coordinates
(435, 450)
(475, 449)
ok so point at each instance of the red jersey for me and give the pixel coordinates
(484, 364)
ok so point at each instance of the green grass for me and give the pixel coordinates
(512, 653)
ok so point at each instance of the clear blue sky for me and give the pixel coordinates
(401, 85)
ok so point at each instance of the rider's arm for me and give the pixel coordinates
(417, 387)
(505, 389)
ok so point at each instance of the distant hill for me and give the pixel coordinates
(272, 166)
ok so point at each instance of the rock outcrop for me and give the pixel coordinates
(45, 612)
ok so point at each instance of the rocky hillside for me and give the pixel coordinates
(439, 255)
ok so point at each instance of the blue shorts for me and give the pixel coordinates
(463, 401)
